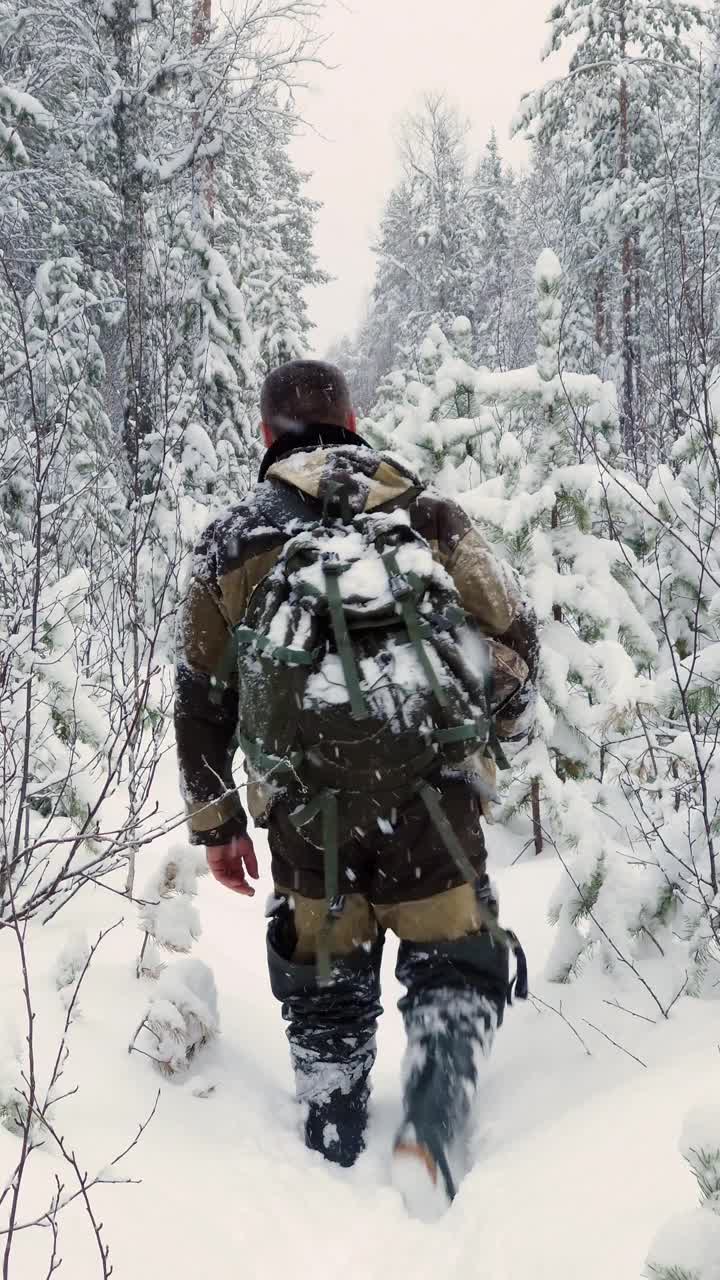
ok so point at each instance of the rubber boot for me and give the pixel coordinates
(455, 999)
(332, 1039)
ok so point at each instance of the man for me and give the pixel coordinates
(395, 866)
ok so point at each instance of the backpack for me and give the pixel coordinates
(359, 676)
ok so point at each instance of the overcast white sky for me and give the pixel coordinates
(483, 53)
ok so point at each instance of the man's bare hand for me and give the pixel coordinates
(232, 863)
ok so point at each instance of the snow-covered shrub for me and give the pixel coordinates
(70, 965)
(688, 1248)
(533, 456)
(519, 449)
(13, 1107)
(168, 916)
(182, 1016)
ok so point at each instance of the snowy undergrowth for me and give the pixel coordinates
(567, 1121)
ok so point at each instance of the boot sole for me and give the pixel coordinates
(417, 1178)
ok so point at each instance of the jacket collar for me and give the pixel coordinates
(311, 436)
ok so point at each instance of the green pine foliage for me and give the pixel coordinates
(688, 1247)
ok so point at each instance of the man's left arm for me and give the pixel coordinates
(492, 595)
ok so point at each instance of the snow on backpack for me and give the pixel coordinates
(358, 676)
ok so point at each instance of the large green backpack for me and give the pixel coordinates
(359, 675)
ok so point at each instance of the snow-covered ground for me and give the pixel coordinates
(576, 1163)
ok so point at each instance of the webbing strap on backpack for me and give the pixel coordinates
(346, 654)
(402, 591)
(493, 741)
(505, 937)
(263, 761)
(326, 803)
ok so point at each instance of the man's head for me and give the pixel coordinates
(304, 393)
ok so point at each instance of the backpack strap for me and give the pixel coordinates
(263, 761)
(326, 803)
(293, 657)
(493, 743)
(332, 571)
(431, 799)
(403, 592)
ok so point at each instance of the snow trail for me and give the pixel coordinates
(566, 1143)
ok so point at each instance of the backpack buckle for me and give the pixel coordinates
(333, 568)
(400, 588)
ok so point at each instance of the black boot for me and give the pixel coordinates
(332, 1039)
(455, 1001)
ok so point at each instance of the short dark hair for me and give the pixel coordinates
(305, 392)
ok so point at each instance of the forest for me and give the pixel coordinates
(541, 345)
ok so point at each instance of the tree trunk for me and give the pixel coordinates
(601, 313)
(128, 129)
(203, 187)
(640, 434)
(628, 398)
(629, 426)
(555, 524)
(536, 816)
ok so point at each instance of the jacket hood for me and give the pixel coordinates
(352, 479)
(313, 436)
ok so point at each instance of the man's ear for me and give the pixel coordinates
(268, 434)
(351, 421)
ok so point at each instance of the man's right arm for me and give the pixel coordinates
(205, 714)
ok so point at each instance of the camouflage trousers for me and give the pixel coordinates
(396, 874)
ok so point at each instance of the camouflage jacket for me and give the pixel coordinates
(240, 547)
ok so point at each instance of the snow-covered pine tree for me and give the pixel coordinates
(504, 324)
(549, 197)
(629, 63)
(427, 236)
(677, 808)
(543, 488)
(103, 490)
(59, 508)
(181, 1018)
(595, 641)
(688, 1248)
(168, 917)
(430, 412)
(268, 223)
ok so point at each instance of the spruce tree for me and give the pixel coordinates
(504, 325)
(628, 65)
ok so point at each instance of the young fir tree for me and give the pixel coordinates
(168, 917)
(429, 410)
(181, 1017)
(688, 1248)
(504, 327)
(595, 641)
(549, 201)
(543, 488)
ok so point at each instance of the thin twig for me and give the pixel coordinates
(615, 1043)
(615, 1004)
(536, 1000)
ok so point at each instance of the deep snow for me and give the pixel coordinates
(576, 1162)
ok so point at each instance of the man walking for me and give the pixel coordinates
(334, 586)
